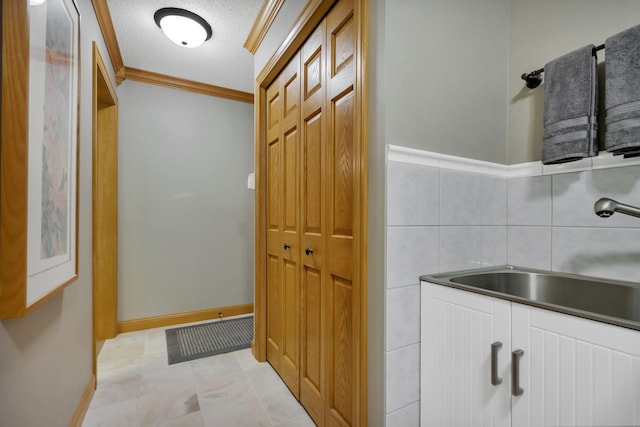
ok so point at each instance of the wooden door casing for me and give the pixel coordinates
(104, 205)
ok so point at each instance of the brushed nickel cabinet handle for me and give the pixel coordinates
(495, 348)
(516, 390)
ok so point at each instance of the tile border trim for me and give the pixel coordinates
(413, 156)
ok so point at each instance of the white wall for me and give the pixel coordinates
(46, 357)
(376, 212)
(185, 213)
(445, 76)
(540, 32)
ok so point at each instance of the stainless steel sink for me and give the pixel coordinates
(608, 301)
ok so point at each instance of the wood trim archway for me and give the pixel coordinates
(310, 17)
(105, 203)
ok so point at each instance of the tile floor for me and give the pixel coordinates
(137, 388)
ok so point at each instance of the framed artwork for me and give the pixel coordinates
(38, 152)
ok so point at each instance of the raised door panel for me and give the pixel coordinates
(274, 314)
(313, 339)
(274, 171)
(458, 329)
(341, 361)
(343, 288)
(312, 364)
(274, 184)
(575, 371)
(290, 314)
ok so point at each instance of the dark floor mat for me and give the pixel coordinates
(208, 339)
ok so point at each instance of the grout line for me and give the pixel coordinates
(417, 343)
(255, 392)
(404, 407)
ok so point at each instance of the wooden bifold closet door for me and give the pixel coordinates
(313, 296)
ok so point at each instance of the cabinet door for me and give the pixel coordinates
(458, 329)
(575, 371)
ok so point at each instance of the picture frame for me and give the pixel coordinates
(38, 152)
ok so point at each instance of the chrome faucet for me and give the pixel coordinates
(606, 207)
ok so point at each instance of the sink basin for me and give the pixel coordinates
(598, 299)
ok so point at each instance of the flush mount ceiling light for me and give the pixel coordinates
(182, 27)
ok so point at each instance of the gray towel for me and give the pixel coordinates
(622, 99)
(570, 107)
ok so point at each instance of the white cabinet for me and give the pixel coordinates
(458, 329)
(572, 371)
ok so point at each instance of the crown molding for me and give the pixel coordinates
(109, 35)
(263, 22)
(123, 72)
(189, 85)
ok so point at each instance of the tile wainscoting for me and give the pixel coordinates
(446, 213)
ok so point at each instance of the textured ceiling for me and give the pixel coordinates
(220, 61)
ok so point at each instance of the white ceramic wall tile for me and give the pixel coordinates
(460, 198)
(402, 377)
(574, 195)
(460, 248)
(494, 245)
(529, 247)
(494, 201)
(409, 416)
(472, 206)
(402, 317)
(411, 252)
(601, 252)
(412, 195)
(529, 201)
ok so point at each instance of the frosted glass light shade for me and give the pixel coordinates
(182, 27)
